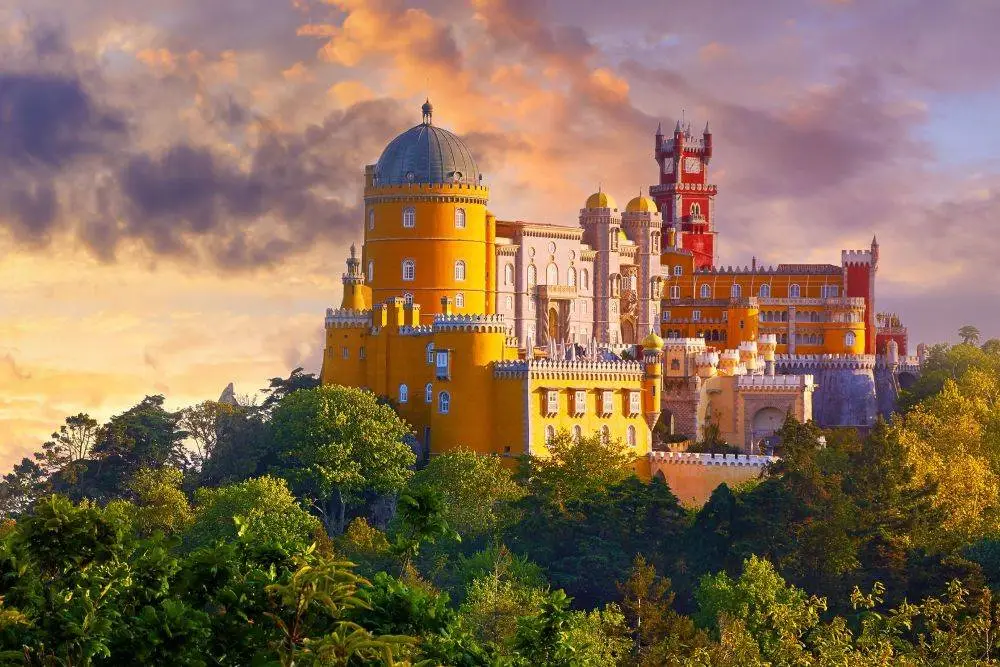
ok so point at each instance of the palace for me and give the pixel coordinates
(494, 334)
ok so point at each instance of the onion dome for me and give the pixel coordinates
(601, 199)
(641, 204)
(426, 154)
(652, 342)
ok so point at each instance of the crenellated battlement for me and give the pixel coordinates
(698, 458)
(856, 257)
(684, 344)
(472, 323)
(420, 330)
(775, 382)
(781, 269)
(562, 369)
(826, 361)
(345, 318)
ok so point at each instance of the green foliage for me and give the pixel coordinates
(260, 511)
(333, 443)
(575, 468)
(162, 506)
(478, 491)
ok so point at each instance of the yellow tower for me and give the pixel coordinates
(427, 234)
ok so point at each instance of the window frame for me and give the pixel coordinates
(411, 264)
(461, 270)
(444, 403)
(460, 219)
(409, 217)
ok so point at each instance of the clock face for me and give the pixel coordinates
(692, 165)
(668, 166)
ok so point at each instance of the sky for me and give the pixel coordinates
(180, 179)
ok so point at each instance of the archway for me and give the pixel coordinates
(554, 333)
(628, 332)
(767, 420)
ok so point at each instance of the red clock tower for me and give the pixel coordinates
(684, 195)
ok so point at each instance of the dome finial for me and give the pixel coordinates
(428, 110)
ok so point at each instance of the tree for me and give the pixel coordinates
(333, 443)
(775, 614)
(162, 506)
(969, 334)
(478, 490)
(421, 518)
(71, 443)
(202, 423)
(259, 511)
(313, 618)
(574, 468)
(21, 487)
(279, 388)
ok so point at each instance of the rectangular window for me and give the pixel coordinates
(442, 370)
(580, 402)
(344, 352)
(666, 316)
(361, 352)
(634, 404)
(552, 402)
(696, 315)
(678, 270)
(607, 402)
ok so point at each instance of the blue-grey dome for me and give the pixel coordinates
(426, 154)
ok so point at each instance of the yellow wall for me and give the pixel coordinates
(434, 243)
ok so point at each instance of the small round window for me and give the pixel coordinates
(410, 176)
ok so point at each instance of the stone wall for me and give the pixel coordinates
(693, 477)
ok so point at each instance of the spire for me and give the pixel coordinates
(659, 129)
(677, 128)
(707, 129)
(875, 241)
(428, 110)
(354, 251)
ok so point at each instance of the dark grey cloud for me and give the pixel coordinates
(191, 202)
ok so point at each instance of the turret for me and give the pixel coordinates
(357, 296)
(706, 364)
(707, 137)
(766, 346)
(652, 356)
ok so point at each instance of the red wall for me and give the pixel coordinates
(859, 284)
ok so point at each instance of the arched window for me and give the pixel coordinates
(577, 433)
(794, 291)
(532, 276)
(735, 291)
(551, 275)
(460, 270)
(508, 302)
(706, 291)
(408, 299)
(409, 217)
(630, 436)
(460, 300)
(850, 339)
(444, 402)
(550, 434)
(678, 270)
(585, 279)
(765, 291)
(459, 218)
(404, 393)
(428, 393)
(675, 292)
(371, 270)
(409, 269)
(430, 354)
(654, 242)
(695, 209)
(371, 219)
(605, 433)
(784, 339)
(571, 277)
(675, 364)
(508, 274)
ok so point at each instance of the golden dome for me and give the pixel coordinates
(641, 204)
(652, 342)
(601, 199)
